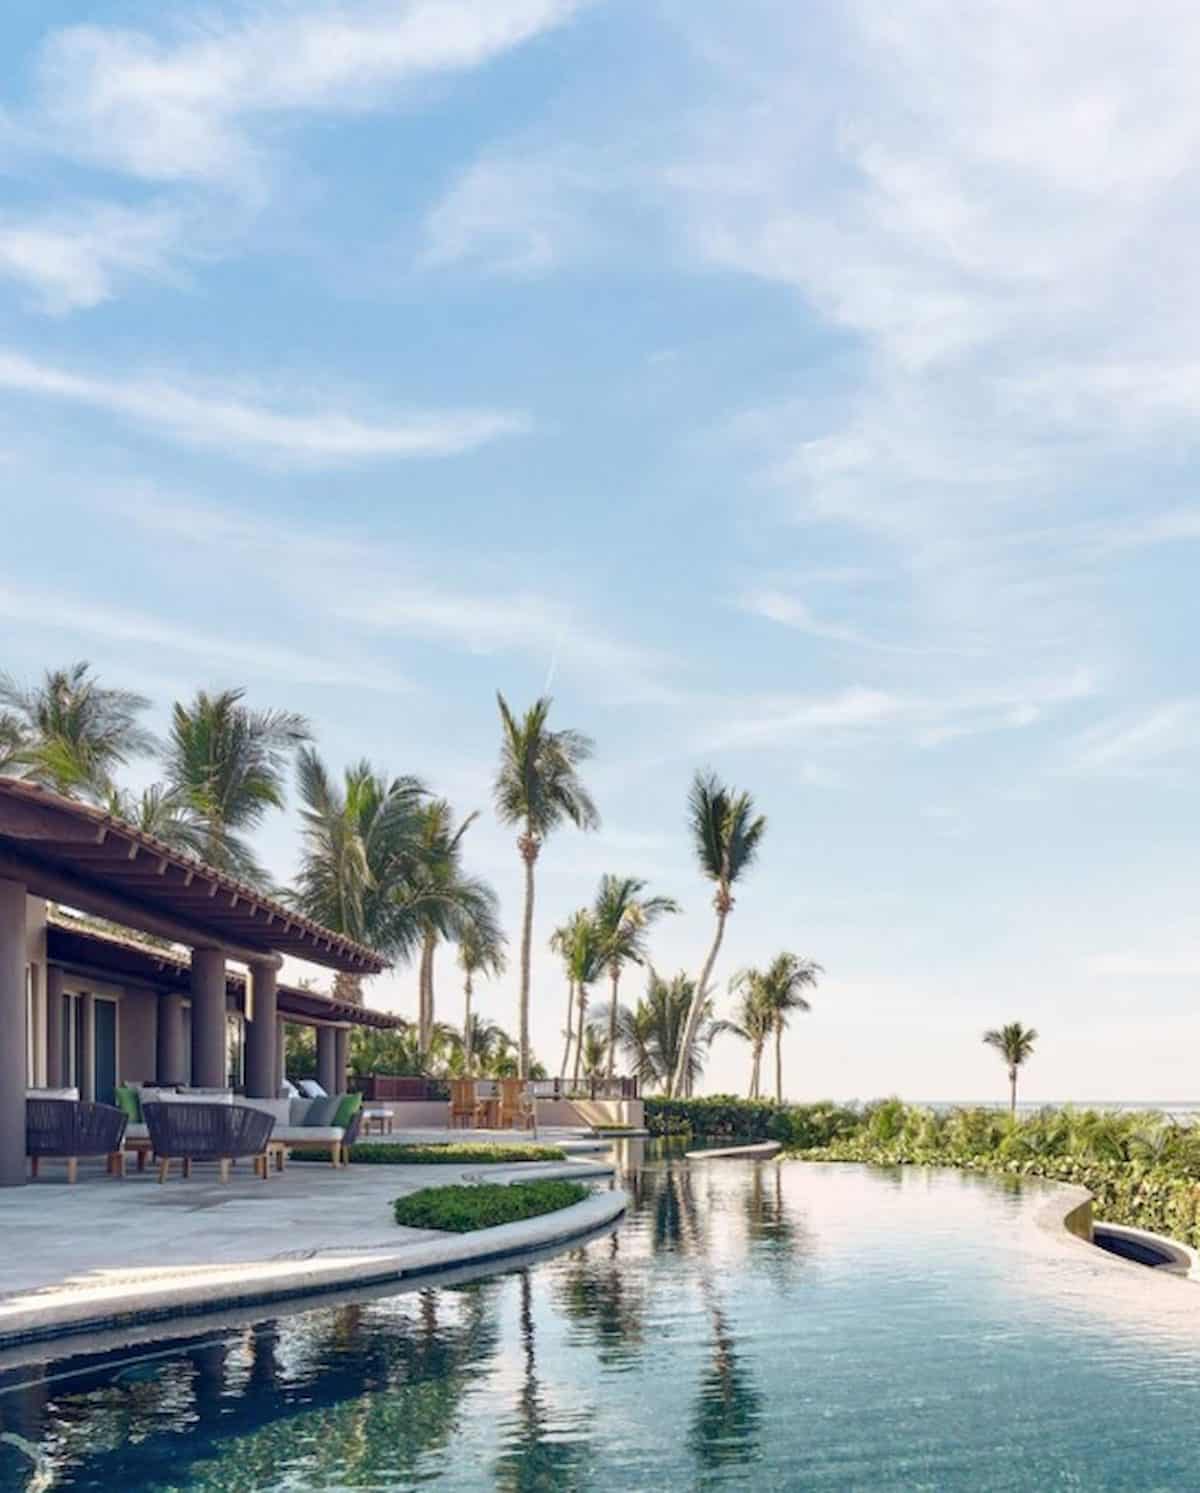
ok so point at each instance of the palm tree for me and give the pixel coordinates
(726, 834)
(1014, 1043)
(781, 986)
(359, 841)
(577, 943)
(623, 917)
(592, 1053)
(538, 788)
(752, 1022)
(161, 812)
(652, 1032)
(478, 954)
(68, 733)
(444, 898)
(227, 763)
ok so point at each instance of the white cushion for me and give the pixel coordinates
(293, 1135)
(52, 1093)
(289, 1089)
(277, 1108)
(311, 1089)
(134, 1130)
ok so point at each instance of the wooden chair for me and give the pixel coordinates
(70, 1128)
(208, 1132)
(512, 1092)
(464, 1106)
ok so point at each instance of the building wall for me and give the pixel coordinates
(35, 961)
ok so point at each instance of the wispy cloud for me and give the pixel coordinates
(77, 257)
(252, 422)
(57, 611)
(1135, 743)
(1129, 964)
(197, 99)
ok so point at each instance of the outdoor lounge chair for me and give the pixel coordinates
(70, 1128)
(207, 1132)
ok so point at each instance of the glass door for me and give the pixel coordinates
(106, 1051)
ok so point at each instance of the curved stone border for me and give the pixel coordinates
(754, 1151)
(127, 1298)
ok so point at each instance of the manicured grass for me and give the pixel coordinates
(395, 1154)
(458, 1210)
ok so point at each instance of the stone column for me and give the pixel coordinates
(342, 1059)
(327, 1059)
(54, 1026)
(208, 1019)
(280, 1053)
(12, 1034)
(169, 1065)
(261, 1035)
(87, 1042)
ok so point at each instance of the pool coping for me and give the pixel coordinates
(94, 1304)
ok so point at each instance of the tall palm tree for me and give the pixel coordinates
(726, 835)
(228, 764)
(68, 732)
(359, 841)
(592, 1053)
(161, 812)
(578, 945)
(478, 954)
(1014, 1043)
(538, 788)
(623, 917)
(446, 900)
(782, 985)
(753, 1021)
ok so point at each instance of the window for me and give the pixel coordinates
(30, 1029)
(235, 1051)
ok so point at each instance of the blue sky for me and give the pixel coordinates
(809, 393)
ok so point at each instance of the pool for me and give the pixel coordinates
(747, 1326)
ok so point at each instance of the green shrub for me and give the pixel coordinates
(395, 1153)
(458, 1210)
(718, 1115)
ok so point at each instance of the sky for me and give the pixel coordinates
(804, 393)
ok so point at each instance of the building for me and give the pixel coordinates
(154, 994)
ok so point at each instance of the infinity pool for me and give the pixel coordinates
(748, 1326)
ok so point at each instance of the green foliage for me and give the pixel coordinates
(718, 1114)
(395, 1153)
(1142, 1169)
(458, 1210)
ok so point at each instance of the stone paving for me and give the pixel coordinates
(106, 1238)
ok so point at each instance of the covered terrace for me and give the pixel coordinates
(177, 1000)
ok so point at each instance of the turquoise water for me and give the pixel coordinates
(748, 1326)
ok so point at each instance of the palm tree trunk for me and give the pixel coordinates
(579, 1038)
(755, 1065)
(529, 850)
(779, 1060)
(425, 994)
(614, 976)
(570, 1028)
(1012, 1101)
(348, 987)
(693, 1019)
(467, 1054)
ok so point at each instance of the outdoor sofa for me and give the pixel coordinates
(324, 1125)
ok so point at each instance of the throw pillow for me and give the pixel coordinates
(348, 1106)
(129, 1102)
(321, 1112)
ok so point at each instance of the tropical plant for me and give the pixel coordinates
(359, 842)
(753, 1022)
(593, 1051)
(227, 763)
(726, 835)
(623, 918)
(161, 812)
(538, 788)
(1015, 1044)
(68, 732)
(652, 1031)
(578, 944)
(782, 985)
(446, 901)
(480, 952)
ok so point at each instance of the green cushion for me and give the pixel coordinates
(348, 1106)
(129, 1102)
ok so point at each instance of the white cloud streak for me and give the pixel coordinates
(77, 258)
(252, 423)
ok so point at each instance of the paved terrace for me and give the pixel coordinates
(106, 1250)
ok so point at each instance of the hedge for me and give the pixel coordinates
(458, 1210)
(723, 1115)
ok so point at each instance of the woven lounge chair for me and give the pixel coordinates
(208, 1132)
(70, 1128)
